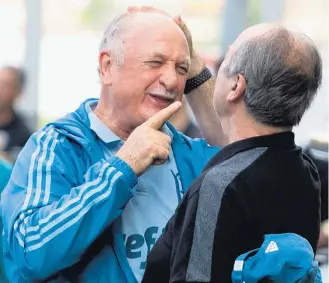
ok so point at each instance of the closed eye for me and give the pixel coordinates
(154, 63)
(182, 70)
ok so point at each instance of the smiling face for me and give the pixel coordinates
(154, 69)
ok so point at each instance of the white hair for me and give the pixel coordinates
(113, 36)
(112, 39)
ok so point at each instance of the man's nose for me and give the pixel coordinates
(169, 78)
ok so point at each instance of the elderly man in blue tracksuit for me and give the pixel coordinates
(113, 167)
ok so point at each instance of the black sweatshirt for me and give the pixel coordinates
(262, 185)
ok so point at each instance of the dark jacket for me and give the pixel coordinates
(262, 185)
(17, 133)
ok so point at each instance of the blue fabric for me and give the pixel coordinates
(158, 190)
(63, 192)
(282, 258)
(5, 171)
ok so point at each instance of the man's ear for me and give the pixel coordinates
(237, 88)
(105, 61)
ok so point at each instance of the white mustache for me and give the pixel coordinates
(162, 92)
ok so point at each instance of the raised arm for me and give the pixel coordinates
(201, 98)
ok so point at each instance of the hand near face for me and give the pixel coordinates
(197, 64)
(178, 20)
(147, 145)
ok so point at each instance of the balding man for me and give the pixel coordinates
(91, 193)
(261, 182)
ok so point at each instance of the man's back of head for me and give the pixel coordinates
(275, 72)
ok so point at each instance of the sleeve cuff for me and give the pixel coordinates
(127, 171)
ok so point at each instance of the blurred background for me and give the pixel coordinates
(56, 43)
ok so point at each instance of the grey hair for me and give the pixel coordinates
(282, 76)
(113, 40)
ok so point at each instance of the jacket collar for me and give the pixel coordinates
(284, 140)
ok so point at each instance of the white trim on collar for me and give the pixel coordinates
(103, 132)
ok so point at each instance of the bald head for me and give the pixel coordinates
(130, 25)
(297, 48)
(255, 31)
(283, 71)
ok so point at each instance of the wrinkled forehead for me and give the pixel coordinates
(156, 35)
(161, 50)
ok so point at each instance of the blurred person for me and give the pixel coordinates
(260, 183)
(317, 151)
(323, 238)
(90, 193)
(14, 133)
